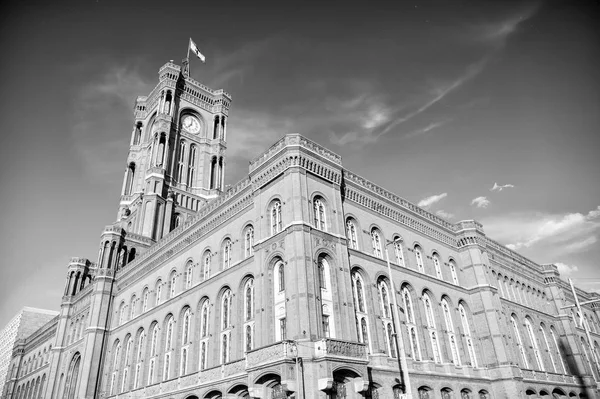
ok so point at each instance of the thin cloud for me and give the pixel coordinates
(428, 201)
(582, 245)
(497, 33)
(439, 93)
(480, 202)
(446, 215)
(500, 188)
(548, 235)
(426, 129)
(101, 142)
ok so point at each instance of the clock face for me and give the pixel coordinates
(191, 124)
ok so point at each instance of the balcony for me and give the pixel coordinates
(546, 376)
(269, 354)
(342, 349)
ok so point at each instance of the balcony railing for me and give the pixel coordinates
(269, 354)
(547, 376)
(337, 347)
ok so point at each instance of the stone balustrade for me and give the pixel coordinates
(337, 347)
(269, 354)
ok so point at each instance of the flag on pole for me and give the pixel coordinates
(195, 50)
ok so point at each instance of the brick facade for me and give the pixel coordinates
(279, 287)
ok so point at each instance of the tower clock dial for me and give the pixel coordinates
(191, 124)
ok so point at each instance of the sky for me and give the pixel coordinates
(481, 110)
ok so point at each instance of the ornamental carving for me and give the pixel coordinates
(344, 348)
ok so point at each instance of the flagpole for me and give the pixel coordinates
(186, 61)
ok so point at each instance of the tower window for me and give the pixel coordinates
(276, 224)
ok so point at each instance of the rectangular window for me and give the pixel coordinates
(326, 325)
(167, 366)
(282, 328)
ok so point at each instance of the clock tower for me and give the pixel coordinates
(176, 160)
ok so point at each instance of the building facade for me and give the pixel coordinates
(279, 286)
(20, 327)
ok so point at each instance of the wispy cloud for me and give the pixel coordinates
(497, 32)
(428, 201)
(581, 245)
(549, 234)
(438, 94)
(480, 202)
(446, 215)
(500, 188)
(426, 129)
(102, 141)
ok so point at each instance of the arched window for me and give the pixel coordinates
(139, 360)
(534, 344)
(548, 349)
(170, 326)
(181, 162)
(191, 166)
(115, 368)
(452, 267)
(249, 241)
(384, 299)
(411, 323)
(185, 341)
(226, 254)
(376, 243)
(360, 309)
(398, 251)
(281, 276)
(225, 326)
(173, 284)
(467, 333)
(133, 307)
(431, 326)
(72, 377)
(386, 315)
(351, 234)
(158, 292)
(437, 266)
(519, 342)
(204, 314)
(323, 269)
(586, 352)
(419, 258)
(319, 214)
(122, 317)
(450, 332)
(249, 314)
(189, 270)
(130, 176)
(124, 383)
(204, 333)
(185, 333)
(558, 351)
(206, 266)
(428, 311)
(226, 310)
(359, 300)
(145, 299)
(153, 354)
(275, 212)
(249, 299)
